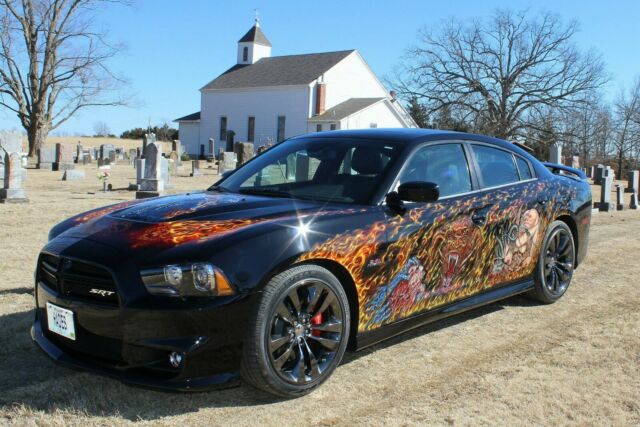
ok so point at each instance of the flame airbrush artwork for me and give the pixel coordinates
(436, 254)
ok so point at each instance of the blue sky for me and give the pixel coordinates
(175, 47)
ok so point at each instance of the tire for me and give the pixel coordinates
(292, 347)
(555, 266)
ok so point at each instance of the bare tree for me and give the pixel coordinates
(100, 128)
(627, 123)
(53, 63)
(499, 70)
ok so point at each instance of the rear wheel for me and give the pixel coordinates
(298, 334)
(555, 264)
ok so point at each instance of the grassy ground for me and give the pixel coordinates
(512, 363)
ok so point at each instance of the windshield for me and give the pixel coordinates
(331, 169)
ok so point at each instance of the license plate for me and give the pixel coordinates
(60, 321)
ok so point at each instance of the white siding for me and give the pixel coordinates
(265, 104)
(381, 114)
(255, 52)
(351, 78)
(189, 135)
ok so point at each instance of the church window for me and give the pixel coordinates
(281, 124)
(223, 128)
(245, 54)
(251, 131)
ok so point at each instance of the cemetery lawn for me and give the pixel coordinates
(511, 363)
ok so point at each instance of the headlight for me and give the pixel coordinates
(199, 279)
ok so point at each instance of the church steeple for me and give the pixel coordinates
(253, 46)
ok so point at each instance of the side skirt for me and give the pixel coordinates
(366, 339)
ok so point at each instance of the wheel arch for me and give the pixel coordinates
(571, 223)
(343, 276)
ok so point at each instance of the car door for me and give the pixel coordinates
(514, 213)
(430, 256)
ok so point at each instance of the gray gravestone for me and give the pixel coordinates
(11, 142)
(555, 153)
(212, 149)
(619, 197)
(46, 157)
(633, 202)
(152, 183)
(79, 153)
(73, 175)
(139, 171)
(599, 174)
(591, 172)
(633, 181)
(12, 191)
(113, 157)
(302, 168)
(605, 193)
(228, 162)
(244, 151)
(149, 138)
(195, 168)
(64, 157)
(173, 164)
(575, 162)
(133, 155)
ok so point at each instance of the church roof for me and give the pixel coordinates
(189, 118)
(255, 35)
(278, 71)
(345, 109)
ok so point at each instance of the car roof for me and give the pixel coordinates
(414, 136)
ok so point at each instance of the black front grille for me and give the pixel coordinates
(73, 278)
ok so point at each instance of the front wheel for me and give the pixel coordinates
(555, 264)
(298, 333)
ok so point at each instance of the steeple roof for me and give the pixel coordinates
(255, 35)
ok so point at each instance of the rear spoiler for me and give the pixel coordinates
(565, 171)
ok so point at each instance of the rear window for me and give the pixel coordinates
(496, 166)
(523, 168)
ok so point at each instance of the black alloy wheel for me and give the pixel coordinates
(300, 332)
(555, 264)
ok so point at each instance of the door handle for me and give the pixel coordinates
(479, 218)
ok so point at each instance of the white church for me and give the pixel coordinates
(265, 99)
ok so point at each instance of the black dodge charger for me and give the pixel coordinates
(324, 242)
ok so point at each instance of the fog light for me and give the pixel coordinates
(175, 359)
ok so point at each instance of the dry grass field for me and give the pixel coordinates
(511, 363)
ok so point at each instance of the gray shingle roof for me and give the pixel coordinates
(278, 71)
(255, 35)
(345, 109)
(189, 118)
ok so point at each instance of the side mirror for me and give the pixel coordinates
(418, 191)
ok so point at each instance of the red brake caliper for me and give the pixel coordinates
(316, 320)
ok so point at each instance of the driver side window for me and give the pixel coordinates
(443, 164)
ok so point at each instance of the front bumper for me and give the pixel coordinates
(133, 343)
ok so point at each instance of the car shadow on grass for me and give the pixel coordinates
(33, 382)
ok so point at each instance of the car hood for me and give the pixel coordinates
(193, 218)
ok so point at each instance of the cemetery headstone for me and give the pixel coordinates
(152, 183)
(10, 142)
(139, 171)
(79, 153)
(228, 162)
(73, 175)
(133, 155)
(599, 174)
(619, 197)
(173, 163)
(212, 149)
(112, 157)
(46, 157)
(149, 138)
(633, 178)
(575, 162)
(591, 172)
(633, 203)
(605, 193)
(195, 168)
(244, 152)
(555, 153)
(64, 157)
(12, 191)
